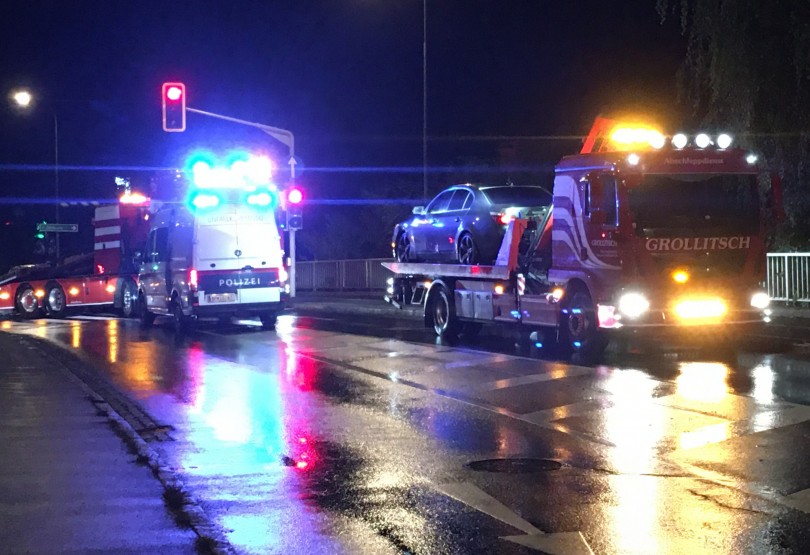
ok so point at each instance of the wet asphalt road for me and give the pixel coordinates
(362, 435)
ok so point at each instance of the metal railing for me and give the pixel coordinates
(789, 277)
(342, 275)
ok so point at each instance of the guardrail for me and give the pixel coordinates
(789, 277)
(342, 275)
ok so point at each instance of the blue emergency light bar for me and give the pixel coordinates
(243, 178)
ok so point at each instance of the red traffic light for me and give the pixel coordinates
(295, 196)
(173, 99)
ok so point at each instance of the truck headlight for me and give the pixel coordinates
(760, 300)
(633, 305)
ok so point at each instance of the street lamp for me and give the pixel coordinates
(24, 99)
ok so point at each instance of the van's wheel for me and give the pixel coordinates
(443, 309)
(467, 250)
(268, 320)
(147, 318)
(181, 321)
(55, 301)
(579, 331)
(26, 302)
(128, 300)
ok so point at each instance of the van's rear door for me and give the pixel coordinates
(237, 253)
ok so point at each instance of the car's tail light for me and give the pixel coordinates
(503, 218)
(192, 279)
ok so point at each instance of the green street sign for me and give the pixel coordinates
(57, 228)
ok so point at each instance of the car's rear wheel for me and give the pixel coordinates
(403, 248)
(467, 250)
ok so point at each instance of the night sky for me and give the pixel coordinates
(345, 76)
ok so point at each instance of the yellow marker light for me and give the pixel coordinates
(4, 296)
(39, 293)
(111, 289)
(499, 289)
(557, 294)
(680, 276)
(700, 309)
(627, 137)
(73, 291)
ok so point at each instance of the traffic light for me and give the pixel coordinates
(173, 97)
(295, 209)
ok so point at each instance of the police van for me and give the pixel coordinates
(218, 255)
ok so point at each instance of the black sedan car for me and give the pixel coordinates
(465, 223)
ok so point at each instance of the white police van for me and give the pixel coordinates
(218, 255)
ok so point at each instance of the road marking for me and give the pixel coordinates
(544, 417)
(799, 500)
(533, 378)
(478, 499)
(564, 543)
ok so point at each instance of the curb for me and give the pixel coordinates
(211, 539)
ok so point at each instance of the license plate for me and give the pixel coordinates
(221, 298)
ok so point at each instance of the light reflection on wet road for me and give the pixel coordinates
(315, 441)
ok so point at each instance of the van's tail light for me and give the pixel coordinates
(192, 279)
(283, 276)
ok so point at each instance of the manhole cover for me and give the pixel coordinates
(515, 466)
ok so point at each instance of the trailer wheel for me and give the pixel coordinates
(26, 302)
(55, 301)
(467, 250)
(128, 299)
(147, 318)
(445, 322)
(579, 331)
(268, 320)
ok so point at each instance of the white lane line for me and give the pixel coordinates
(544, 417)
(799, 500)
(533, 378)
(102, 318)
(478, 499)
(562, 543)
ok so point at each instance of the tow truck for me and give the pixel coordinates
(648, 235)
(106, 277)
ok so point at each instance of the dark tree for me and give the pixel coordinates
(747, 67)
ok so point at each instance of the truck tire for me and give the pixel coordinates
(128, 299)
(26, 302)
(147, 318)
(268, 320)
(579, 332)
(443, 310)
(55, 301)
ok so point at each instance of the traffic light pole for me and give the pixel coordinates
(283, 136)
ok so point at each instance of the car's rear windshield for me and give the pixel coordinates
(518, 196)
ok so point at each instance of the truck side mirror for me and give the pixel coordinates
(419, 210)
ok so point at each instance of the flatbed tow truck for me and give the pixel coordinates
(105, 277)
(648, 236)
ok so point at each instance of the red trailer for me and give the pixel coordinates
(103, 277)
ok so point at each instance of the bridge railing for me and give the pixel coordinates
(789, 277)
(342, 275)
